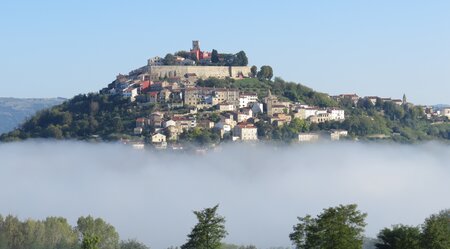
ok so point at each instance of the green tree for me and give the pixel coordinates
(132, 244)
(184, 54)
(90, 242)
(208, 232)
(339, 227)
(117, 124)
(214, 56)
(214, 117)
(254, 70)
(53, 131)
(436, 231)
(12, 231)
(399, 237)
(241, 59)
(107, 236)
(169, 59)
(3, 243)
(232, 246)
(265, 73)
(59, 234)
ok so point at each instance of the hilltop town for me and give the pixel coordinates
(230, 112)
(204, 98)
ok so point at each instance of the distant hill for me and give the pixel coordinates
(14, 111)
(369, 243)
(440, 106)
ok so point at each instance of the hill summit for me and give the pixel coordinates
(204, 98)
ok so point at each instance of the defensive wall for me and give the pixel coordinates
(202, 72)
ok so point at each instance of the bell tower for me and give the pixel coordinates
(195, 45)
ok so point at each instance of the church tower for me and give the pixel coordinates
(195, 45)
(270, 100)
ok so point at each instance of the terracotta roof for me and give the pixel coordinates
(245, 125)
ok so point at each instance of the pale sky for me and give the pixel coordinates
(385, 48)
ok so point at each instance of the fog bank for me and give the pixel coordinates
(261, 190)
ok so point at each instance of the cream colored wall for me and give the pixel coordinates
(201, 71)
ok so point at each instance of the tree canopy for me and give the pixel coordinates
(214, 56)
(241, 59)
(208, 232)
(399, 237)
(98, 229)
(169, 59)
(57, 233)
(265, 73)
(339, 227)
(436, 231)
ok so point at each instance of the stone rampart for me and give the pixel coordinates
(202, 72)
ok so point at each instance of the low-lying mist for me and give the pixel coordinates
(261, 189)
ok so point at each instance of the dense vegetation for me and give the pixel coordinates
(340, 227)
(385, 119)
(336, 228)
(111, 117)
(14, 111)
(56, 233)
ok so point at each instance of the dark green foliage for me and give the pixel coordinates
(14, 111)
(361, 125)
(215, 117)
(402, 123)
(214, 56)
(292, 91)
(215, 82)
(132, 244)
(340, 227)
(399, 237)
(436, 231)
(83, 116)
(200, 136)
(241, 59)
(184, 54)
(254, 70)
(265, 73)
(111, 117)
(208, 232)
(300, 93)
(169, 59)
(287, 133)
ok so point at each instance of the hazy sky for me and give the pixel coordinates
(261, 190)
(386, 48)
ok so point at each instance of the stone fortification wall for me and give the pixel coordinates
(245, 71)
(201, 71)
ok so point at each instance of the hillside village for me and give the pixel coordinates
(204, 98)
(229, 112)
(170, 83)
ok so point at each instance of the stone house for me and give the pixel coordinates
(246, 132)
